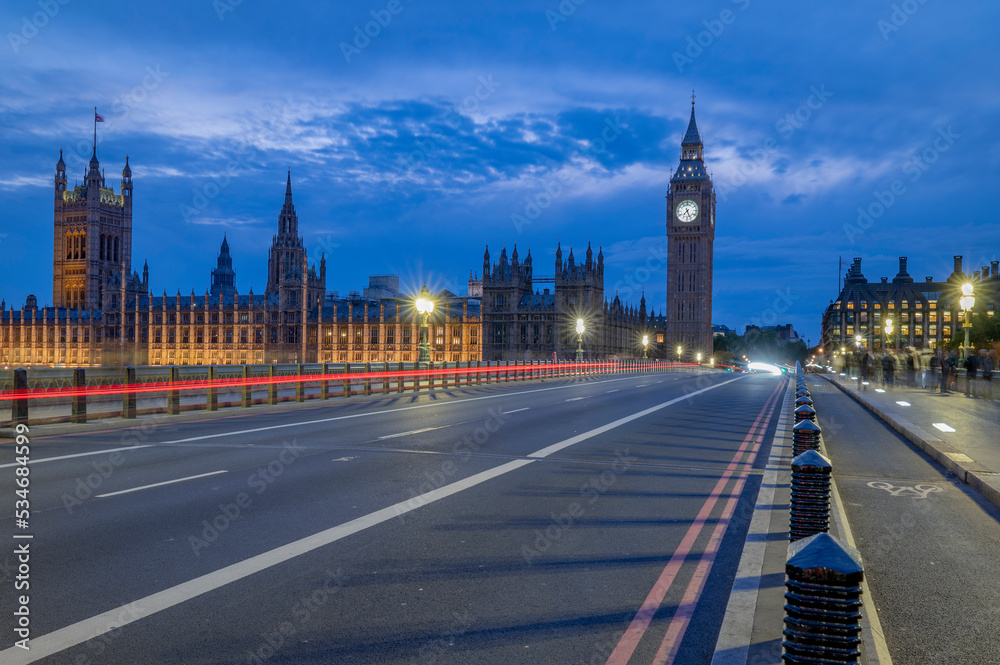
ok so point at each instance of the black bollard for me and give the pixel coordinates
(809, 513)
(805, 436)
(805, 412)
(822, 602)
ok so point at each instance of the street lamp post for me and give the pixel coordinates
(424, 306)
(967, 302)
(698, 357)
(679, 349)
(645, 347)
(579, 340)
(888, 333)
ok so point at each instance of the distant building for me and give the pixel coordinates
(925, 314)
(719, 330)
(382, 287)
(785, 333)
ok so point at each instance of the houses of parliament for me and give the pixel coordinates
(103, 312)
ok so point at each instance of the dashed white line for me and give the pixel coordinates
(368, 414)
(165, 482)
(613, 391)
(416, 431)
(574, 399)
(93, 452)
(507, 413)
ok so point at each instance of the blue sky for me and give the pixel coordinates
(412, 150)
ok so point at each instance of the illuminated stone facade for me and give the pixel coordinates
(925, 314)
(522, 323)
(104, 314)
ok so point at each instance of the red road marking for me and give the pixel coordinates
(634, 633)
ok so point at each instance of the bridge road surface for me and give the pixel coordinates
(520, 523)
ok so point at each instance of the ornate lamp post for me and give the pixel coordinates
(967, 302)
(579, 340)
(424, 306)
(698, 356)
(645, 347)
(888, 332)
(679, 349)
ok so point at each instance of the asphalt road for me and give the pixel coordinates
(587, 520)
(928, 541)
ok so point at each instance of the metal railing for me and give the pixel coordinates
(50, 395)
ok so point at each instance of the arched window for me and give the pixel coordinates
(116, 248)
(83, 245)
(102, 246)
(69, 245)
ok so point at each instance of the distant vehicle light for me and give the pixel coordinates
(764, 367)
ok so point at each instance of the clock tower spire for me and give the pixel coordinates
(690, 240)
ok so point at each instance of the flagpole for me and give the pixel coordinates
(95, 130)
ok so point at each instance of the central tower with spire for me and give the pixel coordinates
(289, 277)
(690, 241)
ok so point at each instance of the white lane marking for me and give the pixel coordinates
(901, 403)
(642, 385)
(377, 413)
(574, 399)
(944, 427)
(165, 482)
(613, 391)
(345, 459)
(93, 452)
(507, 413)
(416, 431)
(77, 633)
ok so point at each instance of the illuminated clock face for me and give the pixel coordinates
(687, 210)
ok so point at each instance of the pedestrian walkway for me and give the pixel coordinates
(961, 432)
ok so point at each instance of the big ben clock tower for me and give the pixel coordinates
(690, 239)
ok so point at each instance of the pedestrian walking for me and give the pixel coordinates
(863, 374)
(971, 365)
(952, 370)
(888, 370)
(935, 366)
(987, 363)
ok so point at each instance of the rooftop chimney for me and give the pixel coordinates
(995, 269)
(958, 264)
(930, 279)
(902, 265)
(984, 273)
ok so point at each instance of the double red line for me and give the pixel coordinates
(682, 616)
